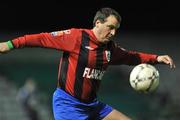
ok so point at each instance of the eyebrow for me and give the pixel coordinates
(113, 26)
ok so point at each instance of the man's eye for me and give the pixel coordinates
(111, 26)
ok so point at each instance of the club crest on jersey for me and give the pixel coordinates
(108, 55)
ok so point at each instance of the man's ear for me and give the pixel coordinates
(97, 23)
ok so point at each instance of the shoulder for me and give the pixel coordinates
(77, 29)
(114, 45)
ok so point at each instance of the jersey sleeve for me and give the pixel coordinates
(61, 40)
(122, 56)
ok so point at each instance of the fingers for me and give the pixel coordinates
(167, 60)
(171, 63)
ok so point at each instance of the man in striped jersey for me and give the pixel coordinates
(86, 55)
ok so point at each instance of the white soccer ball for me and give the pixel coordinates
(144, 78)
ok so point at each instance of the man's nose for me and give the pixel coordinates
(113, 32)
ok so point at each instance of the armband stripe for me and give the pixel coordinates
(10, 45)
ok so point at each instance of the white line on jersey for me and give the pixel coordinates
(89, 48)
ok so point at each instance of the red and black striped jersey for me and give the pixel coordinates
(84, 59)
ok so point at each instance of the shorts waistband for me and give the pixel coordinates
(64, 93)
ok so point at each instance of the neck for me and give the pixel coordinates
(96, 33)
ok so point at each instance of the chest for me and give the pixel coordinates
(95, 57)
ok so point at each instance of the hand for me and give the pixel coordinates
(4, 47)
(167, 60)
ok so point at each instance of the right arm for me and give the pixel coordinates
(61, 40)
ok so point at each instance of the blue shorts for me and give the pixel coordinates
(66, 107)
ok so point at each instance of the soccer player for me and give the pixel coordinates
(86, 55)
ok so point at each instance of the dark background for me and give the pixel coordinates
(55, 14)
(150, 26)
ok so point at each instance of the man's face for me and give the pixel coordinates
(107, 29)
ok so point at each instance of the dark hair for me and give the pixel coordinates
(103, 13)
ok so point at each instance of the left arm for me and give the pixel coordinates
(122, 56)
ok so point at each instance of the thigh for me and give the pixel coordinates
(67, 112)
(116, 115)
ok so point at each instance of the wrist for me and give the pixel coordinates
(9, 44)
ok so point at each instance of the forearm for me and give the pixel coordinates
(34, 40)
(148, 58)
(38, 40)
(134, 58)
